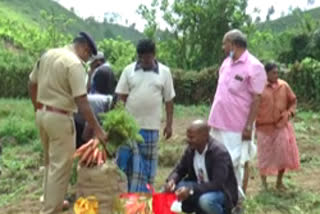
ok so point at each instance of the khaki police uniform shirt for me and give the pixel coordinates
(146, 91)
(60, 76)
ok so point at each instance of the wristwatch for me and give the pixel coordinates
(191, 191)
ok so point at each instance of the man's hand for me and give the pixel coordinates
(183, 193)
(33, 90)
(167, 132)
(101, 134)
(170, 186)
(247, 134)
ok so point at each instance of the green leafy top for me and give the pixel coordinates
(121, 127)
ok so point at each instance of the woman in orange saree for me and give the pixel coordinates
(277, 148)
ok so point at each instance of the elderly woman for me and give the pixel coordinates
(277, 148)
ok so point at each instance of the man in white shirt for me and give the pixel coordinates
(143, 86)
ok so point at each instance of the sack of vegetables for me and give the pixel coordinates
(105, 182)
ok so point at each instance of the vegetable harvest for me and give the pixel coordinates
(122, 129)
(91, 154)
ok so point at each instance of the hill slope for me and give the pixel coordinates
(29, 11)
(288, 22)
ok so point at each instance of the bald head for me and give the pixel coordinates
(199, 126)
(236, 37)
(198, 134)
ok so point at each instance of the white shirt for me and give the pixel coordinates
(146, 91)
(199, 165)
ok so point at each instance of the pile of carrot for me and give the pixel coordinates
(91, 154)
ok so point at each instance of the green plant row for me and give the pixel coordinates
(192, 87)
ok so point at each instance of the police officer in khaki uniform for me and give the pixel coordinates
(57, 88)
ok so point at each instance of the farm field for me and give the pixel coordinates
(21, 163)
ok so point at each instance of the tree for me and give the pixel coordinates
(199, 26)
(149, 14)
(111, 17)
(55, 25)
(133, 26)
(311, 2)
(270, 13)
(72, 10)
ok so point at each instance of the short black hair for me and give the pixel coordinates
(270, 66)
(146, 46)
(105, 80)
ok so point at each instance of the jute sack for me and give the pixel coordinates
(105, 182)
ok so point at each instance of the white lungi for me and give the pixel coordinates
(239, 150)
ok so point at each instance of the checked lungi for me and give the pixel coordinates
(140, 161)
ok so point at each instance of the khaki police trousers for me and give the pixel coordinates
(57, 133)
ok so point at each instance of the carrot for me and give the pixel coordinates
(77, 154)
(100, 162)
(85, 146)
(86, 154)
(89, 160)
(95, 143)
(95, 155)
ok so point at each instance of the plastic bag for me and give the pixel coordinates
(87, 205)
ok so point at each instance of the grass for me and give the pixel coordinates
(21, 160)
(181, 111)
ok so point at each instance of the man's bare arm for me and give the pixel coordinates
(33, 90)
(123, 97)
(167, 132)
(246, 134)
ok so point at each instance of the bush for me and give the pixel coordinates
(17, 121)
(14, 72)
(23, 131)
(118, 52)
(194, 87)
(304, 79)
